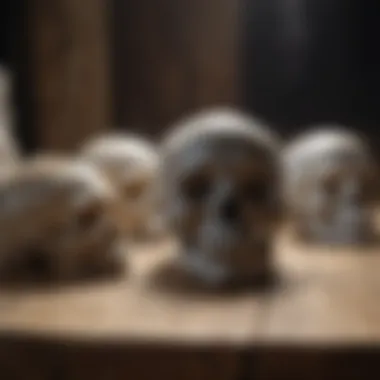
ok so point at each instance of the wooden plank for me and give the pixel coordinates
(328, 363)
(317, 317)
(325, 296)
(46, 360)
(144, 363)
(137, 327)
(321, 298)
(153, 304)
(172, 57)
(68, 43)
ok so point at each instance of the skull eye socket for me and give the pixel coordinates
(196, 188)
(369, 185)
(331, 185)
(134, 191)
(88, 216)
(37, 262)
(257, 190)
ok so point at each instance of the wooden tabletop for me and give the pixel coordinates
(154, 323)
(320, 296)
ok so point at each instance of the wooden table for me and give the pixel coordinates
(317, 321)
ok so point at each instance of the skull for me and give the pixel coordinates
(131, 163)
(329, 186)
(219, 179)
(57, 214)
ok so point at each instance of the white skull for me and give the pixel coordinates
(57, 213)
(131, 163)
(219, 179)
(329, 186)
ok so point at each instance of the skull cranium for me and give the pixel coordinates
(131, 163)
(329, 182)
(219, 177)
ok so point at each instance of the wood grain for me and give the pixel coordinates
(68, 48)
(52, 360)
(154, 303)
(326, 296)
(170, 58)
(319, 320)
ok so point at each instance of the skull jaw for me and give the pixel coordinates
(98, 252)
(88, 264)
(151, 229)
(338, 237)
(339, 232)
(64, 266)
(240, 267)
(140, 223)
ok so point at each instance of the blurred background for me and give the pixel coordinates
(80, 67)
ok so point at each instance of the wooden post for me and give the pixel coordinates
(68, 48)
(171, 57)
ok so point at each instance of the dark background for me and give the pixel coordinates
(14, 53)
(168, 58)
(331, 74)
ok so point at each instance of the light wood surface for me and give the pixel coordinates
(317, 321)
(321, 296)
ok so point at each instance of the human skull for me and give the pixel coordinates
(329, 186)
(57, 214)
(219, 179)
(131, 163)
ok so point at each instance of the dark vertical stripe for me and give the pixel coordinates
(331, 75)
(19, 61)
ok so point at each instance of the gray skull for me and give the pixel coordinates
(219, 180)
(329, 186)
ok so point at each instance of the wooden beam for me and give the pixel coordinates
(68, 42)
(171, 57)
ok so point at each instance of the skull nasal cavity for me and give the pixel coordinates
(230, 209)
